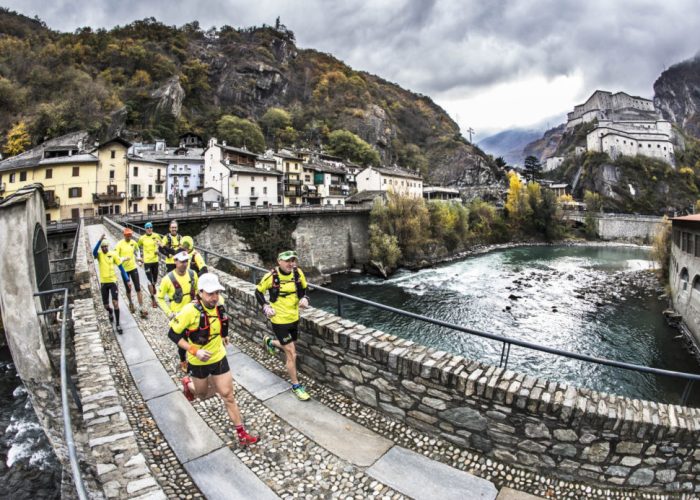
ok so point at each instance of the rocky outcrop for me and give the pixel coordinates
(169, 97)
(547, 145)
(677, 95)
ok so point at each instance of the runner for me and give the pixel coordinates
(197, 263)
(170, 246)
(106, 260)
(149, 244)
(128, 250)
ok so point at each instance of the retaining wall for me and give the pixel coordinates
(529, 422)
(629, 228)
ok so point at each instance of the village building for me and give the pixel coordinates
(185, 168)
(145, 178)
(441, 193)
(204, 199)
(292, 168)
(328, 186)
(684, 272)
(252, 186)
(394, 179)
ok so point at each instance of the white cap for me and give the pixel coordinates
(209, 282)
(182, 256)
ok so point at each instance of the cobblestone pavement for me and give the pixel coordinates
(292, 465)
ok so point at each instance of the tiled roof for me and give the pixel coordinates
(397, 172)
(79, 158)
(246, 169)
(365, 196)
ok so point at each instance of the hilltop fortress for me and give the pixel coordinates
(625, 125)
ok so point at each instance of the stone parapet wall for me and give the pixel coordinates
(629, 228)
(81, 288)
(552, 428)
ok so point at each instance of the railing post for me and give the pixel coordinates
(340, 306)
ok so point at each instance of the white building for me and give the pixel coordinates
(394, 179)
(647, 138)
(604, 105)
(252, 186)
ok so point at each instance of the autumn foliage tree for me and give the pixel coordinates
(17, 139)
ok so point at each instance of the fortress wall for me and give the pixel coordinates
(545, 426)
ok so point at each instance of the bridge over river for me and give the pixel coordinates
(388, 418)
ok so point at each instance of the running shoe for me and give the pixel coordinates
(153, 302)
(244, 439)
(184, 366)
(267, 343)
(132, 309)
(144, 313)
(186, 388)
(301, 393)
(119, 329)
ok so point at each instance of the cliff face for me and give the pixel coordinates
(148, 80)
(547, 145)
(677, 95)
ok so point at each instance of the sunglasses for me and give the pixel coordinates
(289, 254)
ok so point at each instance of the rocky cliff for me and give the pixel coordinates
(677, 95)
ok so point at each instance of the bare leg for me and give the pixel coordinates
(202, 388)
(223, 385)
(290, 355)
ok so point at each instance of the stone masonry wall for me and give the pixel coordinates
(529, 422)
(629, 228)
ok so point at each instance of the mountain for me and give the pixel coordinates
(510, 144)
(147, 80)
(677, 95)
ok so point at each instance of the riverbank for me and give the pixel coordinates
(484, 249)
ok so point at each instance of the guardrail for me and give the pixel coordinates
(62, 315)
(241, 212)
(507, 342)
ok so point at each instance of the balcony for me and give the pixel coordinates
(52, 202)
(108, 197)
(136, 196)
(293, 182)
(292, 192)
(160, 180)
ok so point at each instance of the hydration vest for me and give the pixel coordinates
(275, 290)
(202, 334)
(179, 295)
(193, 262)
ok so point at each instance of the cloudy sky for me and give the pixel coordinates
(492, 65)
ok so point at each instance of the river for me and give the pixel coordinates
(29, 468)
(597, 300)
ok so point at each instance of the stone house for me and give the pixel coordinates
(394, 179)
(684, 271)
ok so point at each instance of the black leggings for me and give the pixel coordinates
(152, 272)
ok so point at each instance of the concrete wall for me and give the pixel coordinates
(19, 308)
(559, 430)
(628, 227)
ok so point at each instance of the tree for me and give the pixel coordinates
(516, 200)
(17, 139)
(240, 132)
(276, 123)
(532, 168)
(345, 144)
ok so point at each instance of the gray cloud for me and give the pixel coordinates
(444, 47)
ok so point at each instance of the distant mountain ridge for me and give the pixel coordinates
(510, 144)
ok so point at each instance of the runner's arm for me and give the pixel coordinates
(162, 293)
(96, 249)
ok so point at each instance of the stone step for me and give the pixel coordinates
(421, 478)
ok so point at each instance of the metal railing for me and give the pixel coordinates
(62, 315)
(240, 211)
(70, 267)
(507, 342)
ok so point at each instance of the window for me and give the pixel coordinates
(12, 177)
(49, 173)
(23, 176)
(111, 174)
(113, 154)
(252, 178)
(136, 171)
(235, 190)
(76, 171)
(159, 188)
(265, 190)
(252, 190)
(384, 181)
(265, 177)
(75, 192)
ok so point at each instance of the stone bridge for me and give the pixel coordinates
(620, 227)
(389, 418)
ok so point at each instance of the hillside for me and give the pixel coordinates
(677, 95)
(148, 80)
(510, 144)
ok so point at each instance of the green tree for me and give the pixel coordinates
(275, 123)
(240, 132)
(347, 145)
(532, 168)
(17, 139)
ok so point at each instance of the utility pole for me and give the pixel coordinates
(470, 131)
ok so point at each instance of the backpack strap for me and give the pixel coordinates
(193, 292)
(275, 289)
(297, 281)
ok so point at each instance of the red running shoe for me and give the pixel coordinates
(186, 388)
(244, 439)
